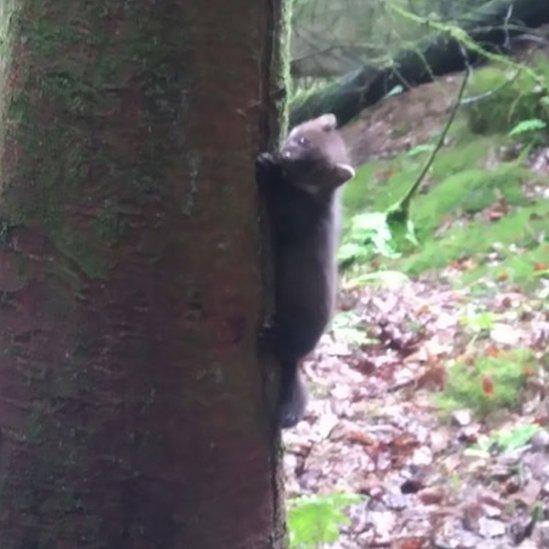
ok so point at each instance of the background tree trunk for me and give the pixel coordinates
(133, 407)
(491, 25)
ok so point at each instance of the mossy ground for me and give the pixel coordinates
(488, 383)
(471, 175)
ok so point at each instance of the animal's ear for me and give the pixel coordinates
(328, 122)
(344, 172)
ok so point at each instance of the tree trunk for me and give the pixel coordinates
(490, 25)
(134, 411)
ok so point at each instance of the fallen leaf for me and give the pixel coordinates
(431, 496)
(487, 385)
(411, 486)
(422, 456)
(491, 528)
(361, 438)
(529, 494)
(433, 378)
(461, 417)
(410, 543)
(383, 522)
(505, 334)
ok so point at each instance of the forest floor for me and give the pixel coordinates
(429, 395)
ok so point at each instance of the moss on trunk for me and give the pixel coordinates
(133, 408)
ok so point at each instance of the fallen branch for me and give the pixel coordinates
(480, 33)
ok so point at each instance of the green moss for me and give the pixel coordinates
(59, 117)
(507, 99)
(488, 384)
(467, 239)
(314, 521)
(469, 191)
(520, 267)
(378, 184)
(72, 94)
(443, 213)
(507, 439)
(463, 154)
(86, 251)
(357, 194)
(45, 36)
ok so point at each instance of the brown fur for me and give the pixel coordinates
(301, 183)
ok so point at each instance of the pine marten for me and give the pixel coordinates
(300, 183)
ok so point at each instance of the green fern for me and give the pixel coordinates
(533, 124)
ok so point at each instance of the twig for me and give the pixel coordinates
(403, 202)
(490, 93)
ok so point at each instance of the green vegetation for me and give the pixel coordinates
(506, 440)
(523, 268)
(488, 383)
(506, 100)
(443, 217)
(479, 322)
(473, 239)
(531, 125)
(385, 181)
(481, 210)
(472, 202)
(369, 232)
(315, 520)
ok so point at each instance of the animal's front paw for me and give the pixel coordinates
(266, 167)
(265, 159)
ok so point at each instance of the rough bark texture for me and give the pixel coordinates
(133, 407)
(491, 25)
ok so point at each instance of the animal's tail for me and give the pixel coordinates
(293, 396)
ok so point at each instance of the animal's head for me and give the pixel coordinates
(315, 156)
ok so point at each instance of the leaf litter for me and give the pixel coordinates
(373, 426)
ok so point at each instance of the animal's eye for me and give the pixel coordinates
(302, 141)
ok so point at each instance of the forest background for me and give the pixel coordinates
(432, 430)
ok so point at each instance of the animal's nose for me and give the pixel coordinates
(288, 153)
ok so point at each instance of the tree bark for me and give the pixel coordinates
(134, 410)
(491, 25)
